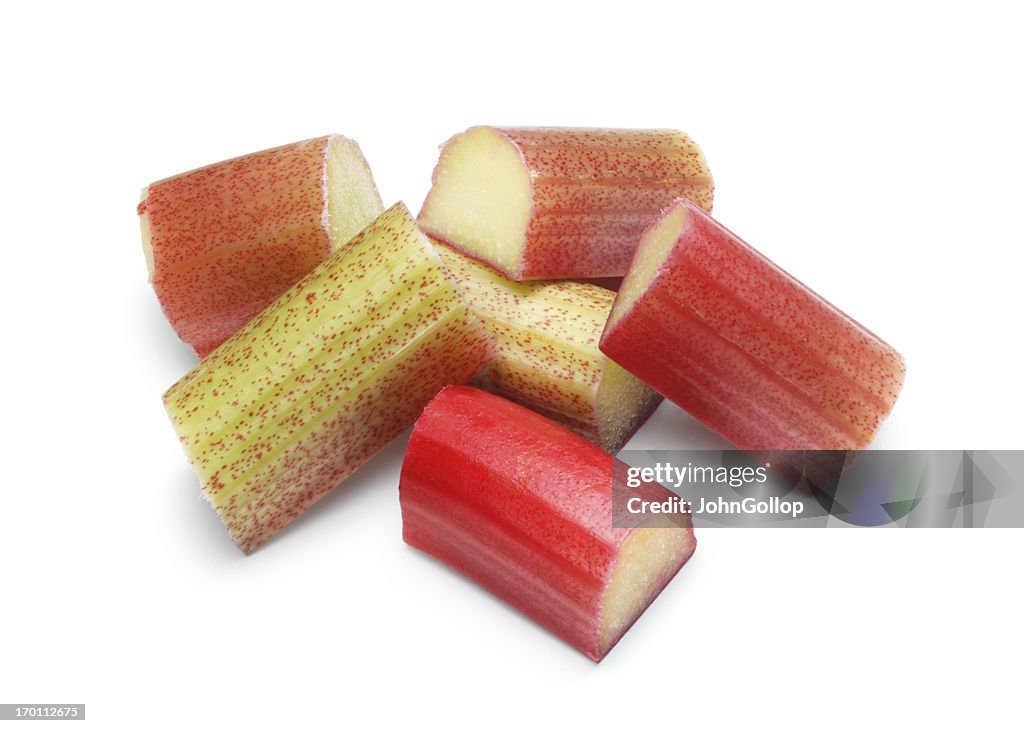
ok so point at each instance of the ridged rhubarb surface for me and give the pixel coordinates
(547, 203)
(225, 240)
(743, 346)
(325, 376)
(546, 340)
(524, 508)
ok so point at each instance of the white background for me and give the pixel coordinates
(876, 153)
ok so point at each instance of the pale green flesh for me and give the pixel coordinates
(481, 198)
(646, 560)
(352, 198)
(654, 248)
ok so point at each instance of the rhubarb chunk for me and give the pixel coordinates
(546, 203)
(223, 241)
(546, 336)
(524, 507)
(743, 346)
(325, 376)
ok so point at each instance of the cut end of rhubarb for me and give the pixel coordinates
(623, 404)
(655, 245)
(481, 198)
(147, 237)
(647, 560)
(352, 197)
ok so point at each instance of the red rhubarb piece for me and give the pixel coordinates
(225, 240)
(741, 345)
(524, 507)
(546, 202)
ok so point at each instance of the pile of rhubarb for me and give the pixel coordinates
(327, 325)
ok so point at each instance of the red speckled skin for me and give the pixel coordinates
(229, 238)
(750, 351)
(517, 503)
(595, 191)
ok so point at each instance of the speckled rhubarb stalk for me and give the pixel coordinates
(546, 203)
(546, 335)
(330, 372)
(223, 241)
(743, 346)
(524, 508)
